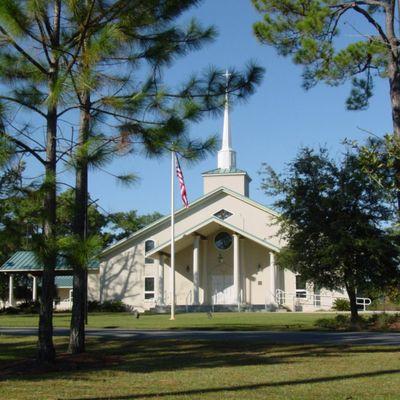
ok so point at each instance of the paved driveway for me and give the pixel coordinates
(354, 338)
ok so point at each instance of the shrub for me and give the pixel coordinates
(339, 322)
(107, 306)
(384, 321)
(341, 305)
(93, 305)
(11, 310)
(30, 307)
(113, 306)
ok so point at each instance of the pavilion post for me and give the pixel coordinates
(34, 288)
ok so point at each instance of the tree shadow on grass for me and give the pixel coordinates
(256, 386)
(143, 357)
(148, 356)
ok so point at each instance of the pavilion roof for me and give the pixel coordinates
(27, 261)
(64, 281)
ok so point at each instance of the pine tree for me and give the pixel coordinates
(318, 35)
(140, 38)
(35, 38)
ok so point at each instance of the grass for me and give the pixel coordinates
(219, 321)
(165, 369)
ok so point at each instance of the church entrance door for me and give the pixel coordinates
(222, 286)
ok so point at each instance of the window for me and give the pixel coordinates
(301, 288)
(149, 291)
(223, 214)
(223, 241)
(148, 245)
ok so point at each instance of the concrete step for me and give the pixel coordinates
(166, 309)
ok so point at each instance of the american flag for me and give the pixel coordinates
(182, 185)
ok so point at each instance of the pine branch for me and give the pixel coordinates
(373, 22)
(82, 38)
(24, 146)
(23, 52)
(356, 6)
(43, 40)
(24, 104)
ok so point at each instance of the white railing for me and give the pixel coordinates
(63, 305)
(364, 302)
(240, 302)
(270, 298)
(213, 300)
(317, 300)
(189, 299)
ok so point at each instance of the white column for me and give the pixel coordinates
(272, 277)
(34, 288)
(242, 271)
(196, 263)
(11, 290)
(161, 279)
(236, 268)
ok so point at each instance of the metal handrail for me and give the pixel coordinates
(364, 302)
(190, 294)
(313, 298)
(268, 296)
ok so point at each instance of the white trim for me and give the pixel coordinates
(184, 210)
(224, 224)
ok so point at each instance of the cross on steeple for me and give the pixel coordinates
(227, 75)
(226, 156)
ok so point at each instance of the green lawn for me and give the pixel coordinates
(168, 369)
(219, 321)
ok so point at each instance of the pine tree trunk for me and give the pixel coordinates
(46, 351)
(77, 332)
(394, 81)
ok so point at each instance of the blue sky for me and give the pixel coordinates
(269, 128)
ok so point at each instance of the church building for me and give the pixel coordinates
(225, 247)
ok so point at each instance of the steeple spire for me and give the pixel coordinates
(226, 156)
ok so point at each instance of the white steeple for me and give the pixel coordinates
(226, 156)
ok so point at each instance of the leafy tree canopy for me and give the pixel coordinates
(334, 219)
(123, 224)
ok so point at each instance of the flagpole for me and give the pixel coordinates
(172, 236)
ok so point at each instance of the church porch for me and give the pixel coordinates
(217, 266)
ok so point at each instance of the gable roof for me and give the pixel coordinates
(26, 261)
(227, 225)
(183, 211)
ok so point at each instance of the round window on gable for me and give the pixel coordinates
(223, 241)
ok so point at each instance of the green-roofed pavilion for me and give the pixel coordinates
(26, 262)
